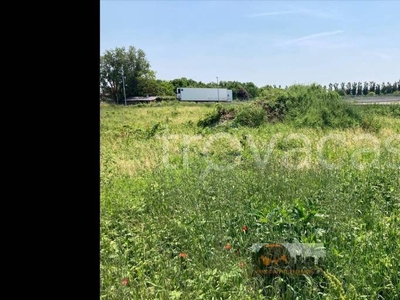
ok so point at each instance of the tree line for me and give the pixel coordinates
(366, 88)
(127, 73)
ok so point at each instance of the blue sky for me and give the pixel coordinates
(264, 42)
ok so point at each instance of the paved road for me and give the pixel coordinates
(375, 100)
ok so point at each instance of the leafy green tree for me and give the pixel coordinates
(383, 88)
(396, 86)
(165, 88)
(378, 89)
(201, 84)
(111, 64)
(389, 88)
(142, 81)
(348, 88)
(242, 94)
(359, 89)
(336, 86)
(343, 88)
(251, 89)
(128, 64)
(372, 86)
(146, 86)
(365, 89)
(182, 82)
(354, 89)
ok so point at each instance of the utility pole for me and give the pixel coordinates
(123, 84)
(218, 88)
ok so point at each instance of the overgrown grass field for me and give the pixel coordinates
(180, 182)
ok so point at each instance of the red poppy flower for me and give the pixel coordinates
(125, 281)
(228, 246)
(245, 229)
(183, 255)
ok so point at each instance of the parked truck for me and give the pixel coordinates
(204, 94)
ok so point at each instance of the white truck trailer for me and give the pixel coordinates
(204, 94)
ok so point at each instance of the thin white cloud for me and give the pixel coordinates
(311, 37)
(271, 13)
(298, 11)
(316, 14)
(379, 54)
(326, 14)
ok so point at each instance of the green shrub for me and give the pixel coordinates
(213, 117)
(370, 124)
(210, 119)
(302, 105)
(310, 106)
(371, 94)
(250, 115)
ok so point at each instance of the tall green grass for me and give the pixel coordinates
(174, 195)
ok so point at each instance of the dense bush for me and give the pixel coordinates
(250, 115)
(312, 106)
(210, 119)
(303, 106)
(219, 113)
